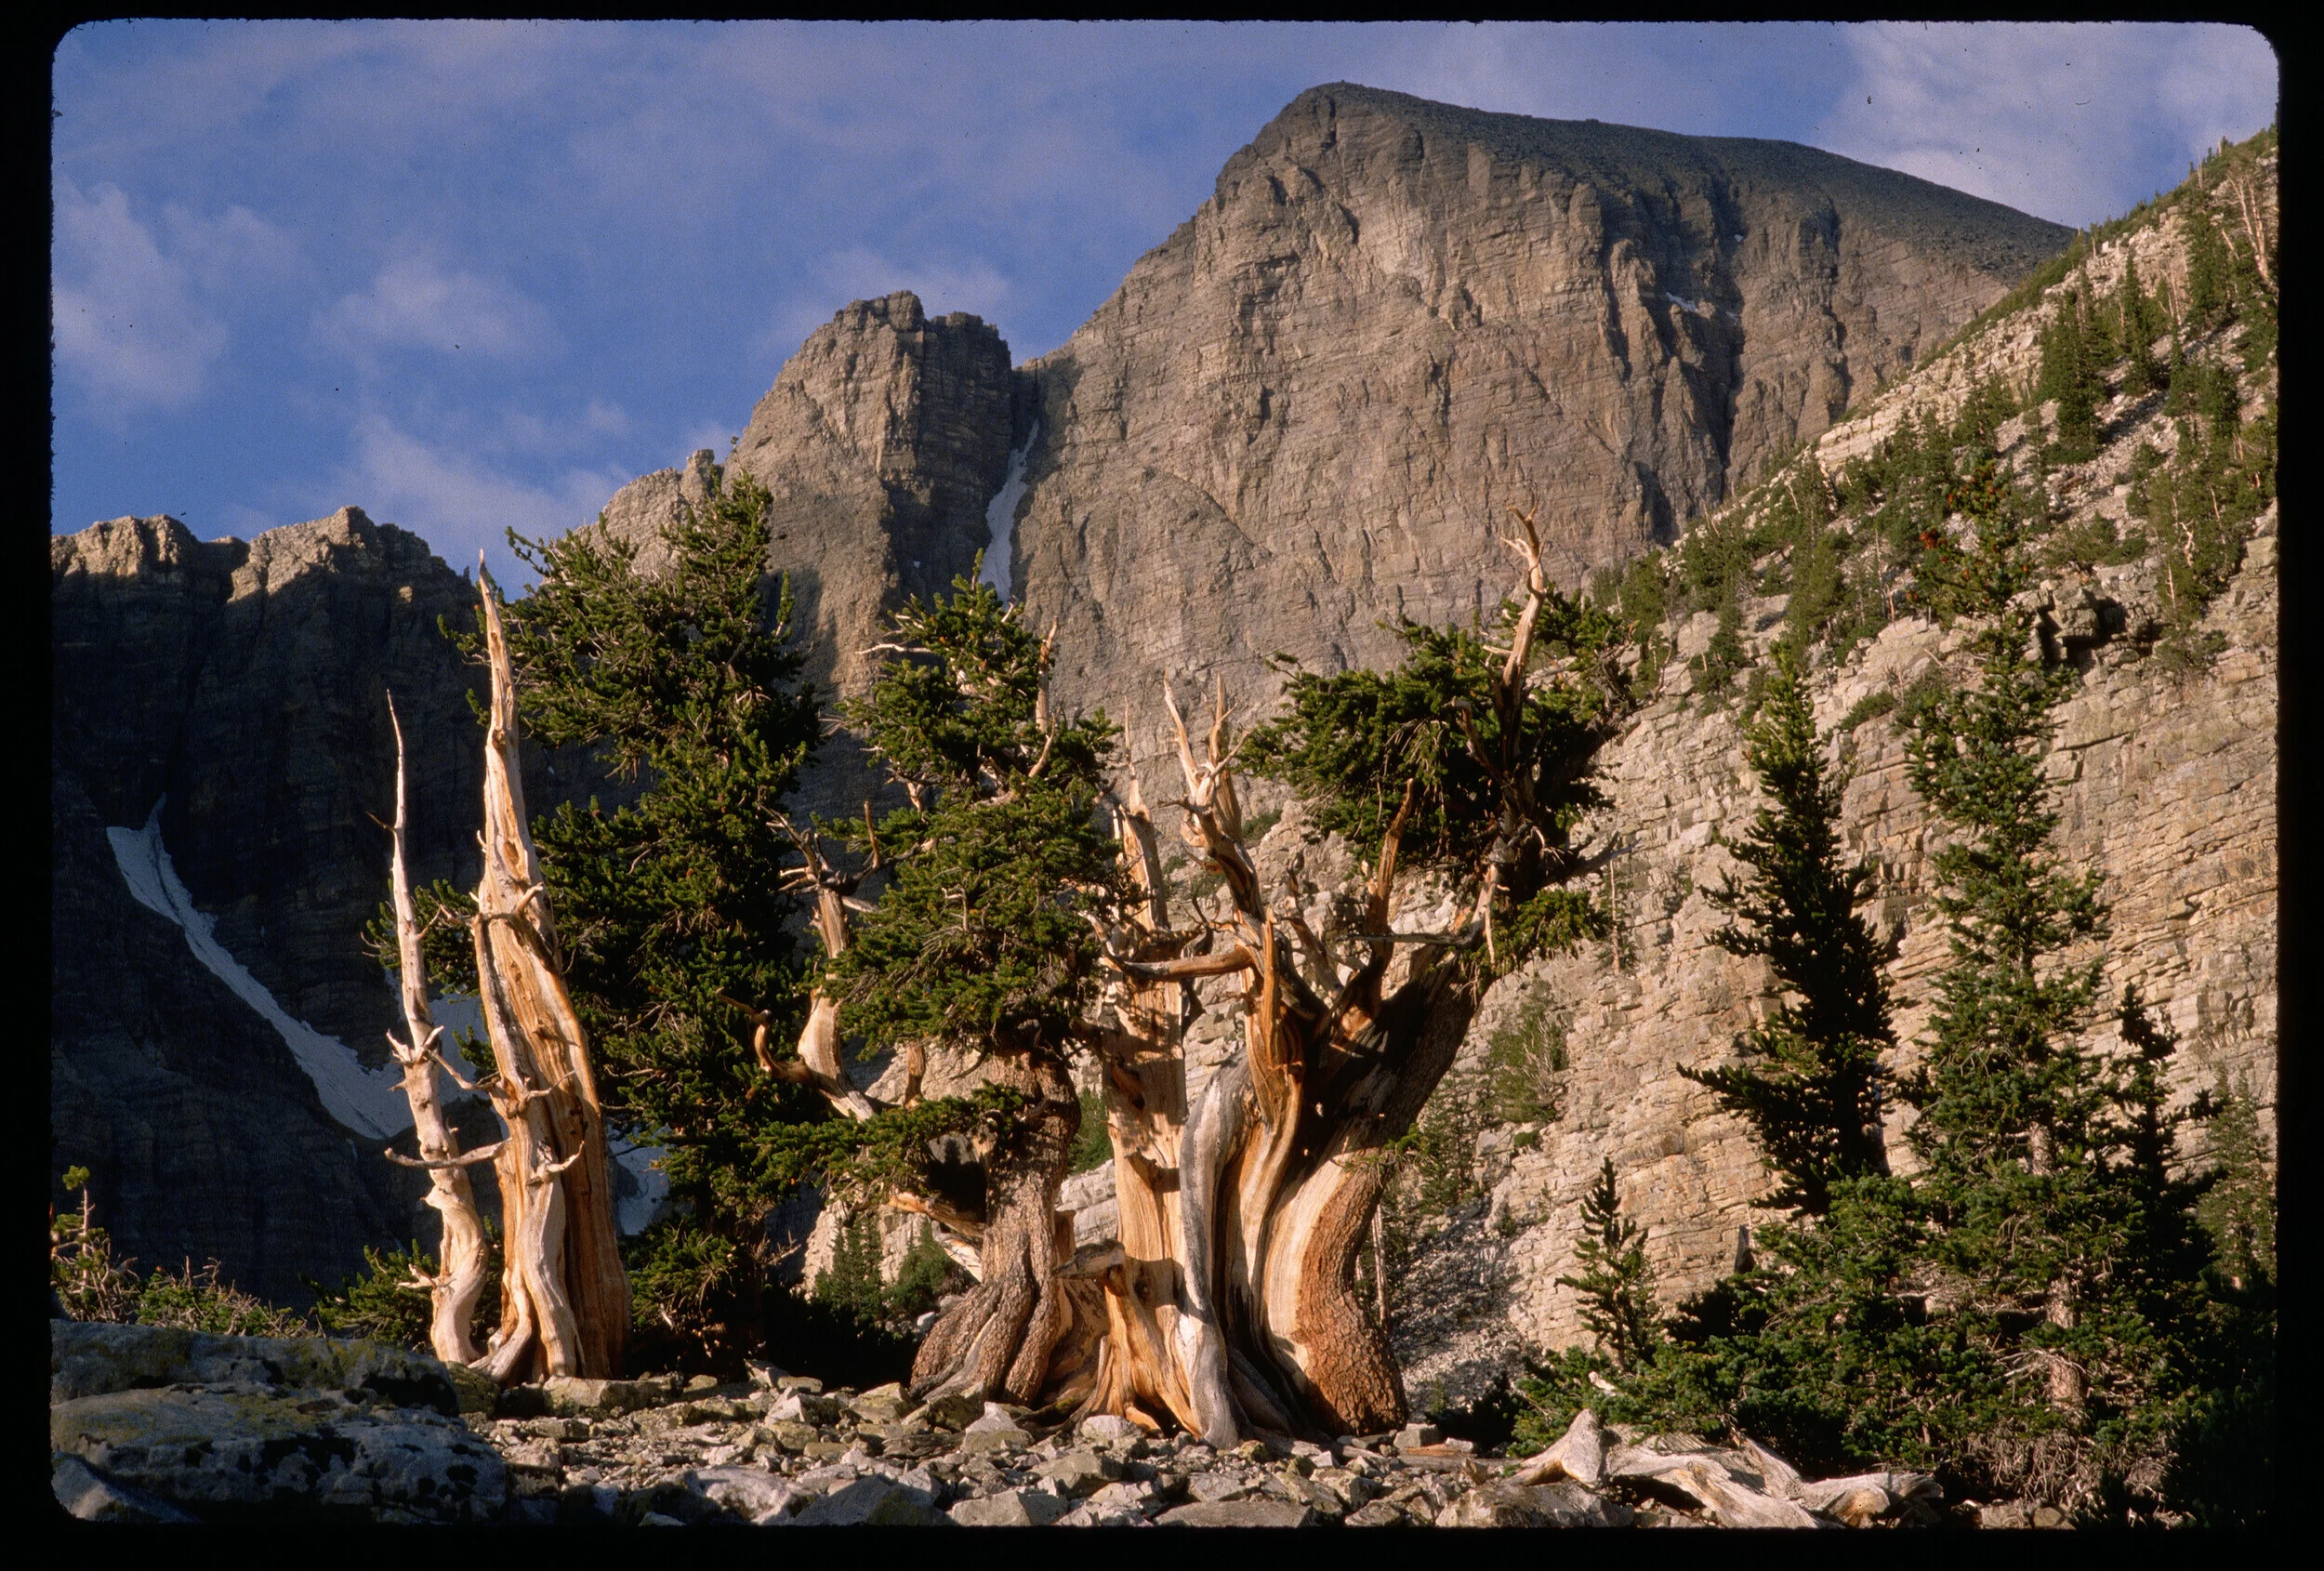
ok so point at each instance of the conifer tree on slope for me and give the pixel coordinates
(1810, 1076)
(1616, 1284)
(2016, 1313)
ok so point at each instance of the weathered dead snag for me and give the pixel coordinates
(461, 1259)
(565, 1296)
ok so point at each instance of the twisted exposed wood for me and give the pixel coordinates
(446, 1164)
(461, 1251)
(563, 1252)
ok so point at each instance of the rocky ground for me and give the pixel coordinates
(154, 1425)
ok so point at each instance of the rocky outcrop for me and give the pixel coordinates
(2168, 789)
(1307, 410)
(240, 687)
(158, 1425)
(207, 1139)
(2167, 780)
(882, 441)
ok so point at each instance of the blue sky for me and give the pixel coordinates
(473, 275)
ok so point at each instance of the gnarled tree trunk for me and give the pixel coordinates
(996, 1342)
(1233, 1306)
(565, 1296)
(1230, 1305)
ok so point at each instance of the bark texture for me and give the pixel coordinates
(565, 1296)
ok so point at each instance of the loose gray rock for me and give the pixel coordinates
(92, 1496)
(873, 1502)
(1238, 1513)
(1081, 1470)
(753, 1493)
(1011, 1508)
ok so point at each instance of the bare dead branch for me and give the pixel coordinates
(481, 1153)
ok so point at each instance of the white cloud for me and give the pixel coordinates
(414, 303)
(460, 504)
(129, 326)
(2054, 119)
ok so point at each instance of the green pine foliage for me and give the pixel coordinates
(1347, 743)
(2051, 1305)
(1810, 1076)
(687, 1290)
(666, 908)
(381, 1303)
(980, 937)
(2138, 322)
(2019, 1313)
(86, 1283)
(1643, 598)
(1615, 1284)
(2074, 352)
(1093, 1144)
(2239, 1212)
(669, 906)
(1724, 658)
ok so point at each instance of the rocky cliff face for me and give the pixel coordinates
(1308, 409)
(240, 687)
(882, 441)
(2167, 780)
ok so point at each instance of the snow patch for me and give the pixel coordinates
(368, 1100)
(1000, 517)
(1695, 306)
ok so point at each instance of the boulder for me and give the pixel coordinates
(93, 1358)
(236, 1452)
(1011, 1508)
(91, 1496)
(1238, 1513)
(874, 1502)
(1081, 1470)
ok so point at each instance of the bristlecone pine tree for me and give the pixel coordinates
(675, 908)
(1809, 1082)
(1010, 925)
(674, 916)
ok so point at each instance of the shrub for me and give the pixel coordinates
(1871, 706)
